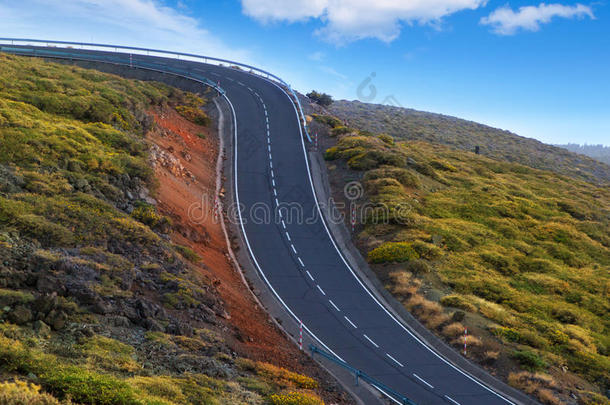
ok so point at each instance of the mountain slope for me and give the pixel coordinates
(519, 256)
(408, 124)
(105, 299)
(597, 152)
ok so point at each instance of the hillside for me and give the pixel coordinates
(518, 256)
(597, 152)
(108, 293)
(408, 124)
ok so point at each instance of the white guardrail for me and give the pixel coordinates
(158, 52)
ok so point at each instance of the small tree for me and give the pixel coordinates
(320, 98)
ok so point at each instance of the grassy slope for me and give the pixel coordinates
(71, 148)
(521, 256)
(408, 124)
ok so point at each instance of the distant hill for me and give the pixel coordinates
(597, 152)
(409, 124)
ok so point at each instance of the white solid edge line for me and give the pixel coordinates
(422, 380)
(452, 400)
(309, 274)
(243, 230)
(464, 373)
(394, 360)
(350, 322)
(334, 306)
(370, 340)
(321, 290)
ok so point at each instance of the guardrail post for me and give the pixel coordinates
(358, 374)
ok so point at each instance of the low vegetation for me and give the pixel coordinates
(96, 305)
(412, 125)
(518, 255)
(597, 152)
(320, 98)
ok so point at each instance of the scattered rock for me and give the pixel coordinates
(56, 319)
(43, 330)
(186, 156)
(20, 315)
(179, 328)
(45, 303)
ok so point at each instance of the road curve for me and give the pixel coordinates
(298, 258)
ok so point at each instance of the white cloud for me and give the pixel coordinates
(317, 56)
(145, 23)
(283, 10)
(505, 21)
(331, 71)
(350, 20)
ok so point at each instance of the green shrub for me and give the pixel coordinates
(404, 176)
(11, 297)
(22, 393)
(427, 250)
(440, 165)
(328, 120)
(386, 138)
(188, 253)
(194, 114)
(147, 214)
(323, 99)
(340, 130)
(417, 266)
(393, 252)
(457, 301)
(529, 360)
(295, 398)
(87, 387)
(499, 262)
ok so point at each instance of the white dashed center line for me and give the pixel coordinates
(277, 202)
(422, 380)
(309, 274)
(288, 236)
(394, 360)
(293, 249)
(283, 224)
(334, 306)
(275, 192)
(350, 322)
(321, 290)
(452, 400)
(369, 339)
(301, 261)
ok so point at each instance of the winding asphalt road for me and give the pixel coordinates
(299, 259)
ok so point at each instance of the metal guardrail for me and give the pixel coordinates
(361, 375)
(206, 59)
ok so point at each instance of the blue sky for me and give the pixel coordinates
(540, 70)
